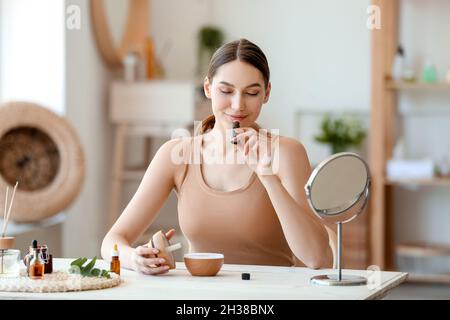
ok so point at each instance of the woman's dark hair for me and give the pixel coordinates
(242, 50)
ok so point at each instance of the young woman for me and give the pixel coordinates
(249, 205)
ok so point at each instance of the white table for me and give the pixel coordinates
(266, 283)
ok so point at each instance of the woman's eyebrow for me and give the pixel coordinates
(256, 84)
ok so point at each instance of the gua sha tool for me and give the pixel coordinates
(236, 125)
(160, 242)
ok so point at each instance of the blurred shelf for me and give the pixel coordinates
(384, 129)
(421, 249)
(436, 181)
(402, 85)
(429, 278)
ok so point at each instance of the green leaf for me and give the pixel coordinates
(95, 272)
(78, 262)
(90, 265)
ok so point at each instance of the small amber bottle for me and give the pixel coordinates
(37, 266)
(115, 262)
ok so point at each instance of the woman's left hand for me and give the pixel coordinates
(258, 149)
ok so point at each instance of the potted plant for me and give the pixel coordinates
(209, 39)
(340, 133)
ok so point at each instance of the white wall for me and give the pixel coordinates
(32, 54)
(1, 43)
(318, 51)
(86, 101)
(174, 25)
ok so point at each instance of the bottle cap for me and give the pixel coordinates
(115, 252)
(245, 276)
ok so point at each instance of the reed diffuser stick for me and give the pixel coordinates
(5, 211)
(5, 225)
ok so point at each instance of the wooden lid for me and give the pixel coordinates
(7, 242)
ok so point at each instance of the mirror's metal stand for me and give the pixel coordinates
(339, 280)
(339, 250)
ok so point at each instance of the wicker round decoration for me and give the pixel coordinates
(58, 281)
(41, 151)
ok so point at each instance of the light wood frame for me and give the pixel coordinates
(382, 133)
(134, 37)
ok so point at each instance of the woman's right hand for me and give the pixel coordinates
(144, 259)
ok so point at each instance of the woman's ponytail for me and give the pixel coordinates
(206, 125)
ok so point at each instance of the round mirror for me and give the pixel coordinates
(338, 191)
(120, 26)
(337, 187)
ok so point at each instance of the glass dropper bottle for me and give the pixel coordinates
(37, 266)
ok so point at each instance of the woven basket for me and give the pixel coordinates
(58, 282)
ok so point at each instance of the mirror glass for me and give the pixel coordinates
(116, 12)
(337, 187)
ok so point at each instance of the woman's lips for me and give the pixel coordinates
(236, 118)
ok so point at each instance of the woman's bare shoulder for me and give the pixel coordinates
(290, 146)
(176, 151)
(292, 158)
(292, 153)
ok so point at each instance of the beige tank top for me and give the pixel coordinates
(242, 224)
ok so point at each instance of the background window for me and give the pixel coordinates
(32, 52)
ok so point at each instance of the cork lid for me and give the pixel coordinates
(7, 242)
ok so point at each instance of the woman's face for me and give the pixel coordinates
(237, 92)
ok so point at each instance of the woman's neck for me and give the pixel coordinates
(217, 143)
